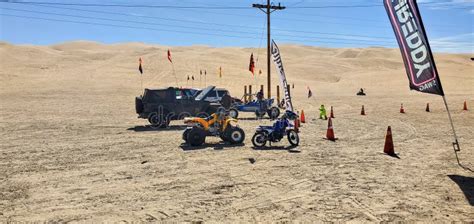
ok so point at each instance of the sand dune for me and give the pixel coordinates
(72, 149)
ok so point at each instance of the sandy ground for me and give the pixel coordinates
(72, 149)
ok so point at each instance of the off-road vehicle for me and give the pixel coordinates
(218, 124)
(160, 106)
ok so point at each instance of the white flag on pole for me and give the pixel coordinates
(281, 71)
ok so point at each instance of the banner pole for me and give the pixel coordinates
(456, 142)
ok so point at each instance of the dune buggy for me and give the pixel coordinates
(260, 108)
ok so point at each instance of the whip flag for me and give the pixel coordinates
(252, 65)
(140, 66)
(281, 71)
(169, 56)
(411, 36)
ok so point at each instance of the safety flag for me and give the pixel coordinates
(408, 26)
(192, 77)
(252, 64)
(140, 66)
(310, 93)
(220, 72)
(279, 64)
(188, 77)
(169, 56)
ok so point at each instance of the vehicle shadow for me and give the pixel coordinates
(277, 148)
(219, 146)
(145, 128)
(467, 186)
(249, 119)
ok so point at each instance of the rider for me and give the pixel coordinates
(280, 125)
(260, 98)
(322, 113)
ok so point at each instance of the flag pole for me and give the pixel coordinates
(174, 73)
(456, 142)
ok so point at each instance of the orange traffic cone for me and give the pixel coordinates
(427, 107)
(330, 132)
(389, 149)
(465, 105)
(402, 111)
(332, 113)
(362, 112)
(303, 120)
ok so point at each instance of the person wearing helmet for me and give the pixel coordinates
(322, 113)
(291, 115)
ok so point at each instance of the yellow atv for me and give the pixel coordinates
(218, 124)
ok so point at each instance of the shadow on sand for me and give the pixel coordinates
(292, 149)
(467, 186)
(218, 146)
(152, 128)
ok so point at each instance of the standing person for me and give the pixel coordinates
(322, 113)
(260, 99)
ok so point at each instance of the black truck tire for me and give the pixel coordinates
(139, 108)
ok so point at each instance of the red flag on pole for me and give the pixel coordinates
(140, 65)
(169, 56)
(252, 65)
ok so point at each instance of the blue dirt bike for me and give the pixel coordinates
(281, 128)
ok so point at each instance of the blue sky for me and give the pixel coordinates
(449, 23)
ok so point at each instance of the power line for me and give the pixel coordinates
(187, 27)
(127, 21)
(173, 31)
(374, 38)
(137, 6)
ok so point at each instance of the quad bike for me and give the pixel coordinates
(260, 108)
(218, 124)
(275, 133)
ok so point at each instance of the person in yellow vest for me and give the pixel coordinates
(322, 113)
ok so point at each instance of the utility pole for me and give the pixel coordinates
(269, 9)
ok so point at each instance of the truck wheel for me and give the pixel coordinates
(293, 138)
(236, 135)
(196, 136)
(233, 113)
(259, 140)
(273, 113)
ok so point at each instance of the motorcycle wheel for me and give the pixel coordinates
(259, 140)
(293, 138)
